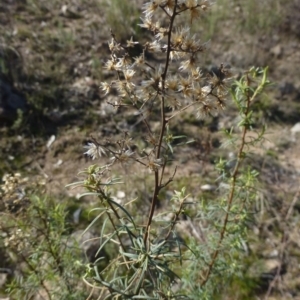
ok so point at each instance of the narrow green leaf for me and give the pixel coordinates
(123, 209)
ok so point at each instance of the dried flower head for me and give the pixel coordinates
(154, 164)
(94, 151)
(128, 74)
(220, 80)
(105, 87)
(178, 36)
(123, 156)
(188, 65)
(150, 7)
(113, 46)
(131, 43)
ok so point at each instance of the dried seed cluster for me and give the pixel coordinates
(172, 87)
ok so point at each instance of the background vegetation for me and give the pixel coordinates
(52, 55)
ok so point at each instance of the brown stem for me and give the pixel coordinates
(175, 218)
(157, 187)
(33, 269)
(240, 158)
(51, 250)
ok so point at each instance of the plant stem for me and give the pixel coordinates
(157, 187)
(240, 158)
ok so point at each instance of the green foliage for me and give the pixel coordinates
(246, 16)
(122, 17)
(150, 255)
(260, 15)
(36, 239)
(153, 258)
(19, 122)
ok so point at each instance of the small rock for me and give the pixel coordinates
(50, 141)
(296, 128)
(64, 9)
(276, 51)
(58, 163)
(274, 253)
(208, 188)
(120, 194)
(3, 279)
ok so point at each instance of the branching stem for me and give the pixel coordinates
(163, 127)
(240, 158)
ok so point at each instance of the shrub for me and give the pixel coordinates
(152, 257)
(41, 256)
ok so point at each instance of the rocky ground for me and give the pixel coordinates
(51, 66)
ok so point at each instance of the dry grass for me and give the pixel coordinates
(54, 54)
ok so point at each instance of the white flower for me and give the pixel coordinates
(206, 109)
(110, 65)
(192, 44)
(162, 32)
(128, 74)
(139, 61)
(172, 101)
(169, 4)
(150, 7)
(179, 36)
(206, 89)
(154, 81)
(197, 74)
(191, 3)
(130, 88)
(123, 156)
(105, 87)
(94, 151)
(205, 5)
(188, 65)
(122, 62)
(113, 46)
(154, 46)
(177, 55)
(193, 6)
(121, 88)
(154, 164)
(185, 86)
(147, 23)
(172, 83)
(131, 43)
